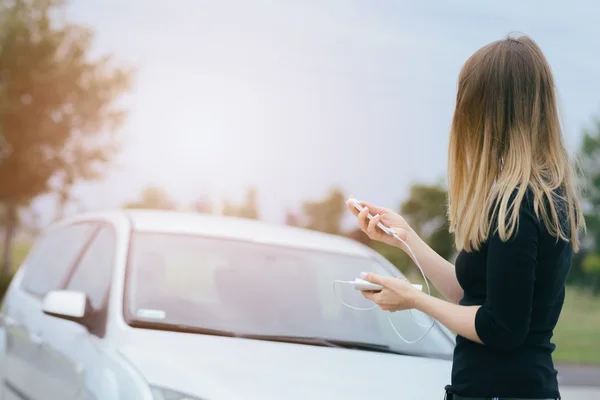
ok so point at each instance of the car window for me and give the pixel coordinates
(194, 281)
(93, 273)
(52, 257)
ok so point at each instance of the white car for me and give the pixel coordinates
(155, 305)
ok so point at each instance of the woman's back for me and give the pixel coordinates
(521, 287)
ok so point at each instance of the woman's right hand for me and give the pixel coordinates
(386, 217)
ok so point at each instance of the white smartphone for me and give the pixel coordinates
(381, 226)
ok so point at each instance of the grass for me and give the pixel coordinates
(19, 252)
(578, 330)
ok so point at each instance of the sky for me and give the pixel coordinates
(294, 97)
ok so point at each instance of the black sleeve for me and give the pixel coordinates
(503, 320)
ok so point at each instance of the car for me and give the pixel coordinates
(166, 305)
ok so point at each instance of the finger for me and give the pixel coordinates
(372, 227)
(351, 207)
(375, 209)
(367, 294)
(363, 220)
(371, 277)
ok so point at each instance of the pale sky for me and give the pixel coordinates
(295, 96)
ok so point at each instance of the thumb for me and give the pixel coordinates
(371, 277)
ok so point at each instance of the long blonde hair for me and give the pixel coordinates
(505, 139)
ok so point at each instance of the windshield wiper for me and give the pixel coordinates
(343, 344)
(325, 342)
(315, 341)
(161, 326)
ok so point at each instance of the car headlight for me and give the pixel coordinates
(167, 394)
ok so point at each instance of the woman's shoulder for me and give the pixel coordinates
(538, 202)
(545, 207)
(522, 200)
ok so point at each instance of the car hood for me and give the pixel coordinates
(225, 368)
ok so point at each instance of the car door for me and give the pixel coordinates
(72, 349)
(45, 268)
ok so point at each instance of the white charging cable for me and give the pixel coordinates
(416, 261)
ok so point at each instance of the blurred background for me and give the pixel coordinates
(272, 110)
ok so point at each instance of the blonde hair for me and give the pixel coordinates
(506, 139)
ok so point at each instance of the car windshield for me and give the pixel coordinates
(261, 290)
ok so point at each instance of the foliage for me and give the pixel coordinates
(152, 197)
(591, 263)
(58, 110)
(425, 211)
(591, 270)
(4, 284)
(19, 252)
(249, 209)
(585, 269)
(589, 162)
(326, 215)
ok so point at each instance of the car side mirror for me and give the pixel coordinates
(65, 304)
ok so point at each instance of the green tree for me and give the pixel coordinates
(425, 211)
(589, 178)
(326, 215)
(589, 173)
(58, 110)
(154, 198)
(591, 267)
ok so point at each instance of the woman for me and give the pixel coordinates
(514, 210)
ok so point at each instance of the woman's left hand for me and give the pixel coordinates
(397, 293)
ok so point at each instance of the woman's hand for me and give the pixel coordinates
(397, 293)
(386, 217)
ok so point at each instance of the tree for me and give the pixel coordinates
(326, 215)
(58, 110)
(425, 211)
(589, 179)
(154, 198)
(361, 237)
(250, 208)
(591, 266)
(589, 173)
(229, 210)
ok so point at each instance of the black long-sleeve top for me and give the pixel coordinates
(520, 285)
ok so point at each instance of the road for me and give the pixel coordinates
(580, 393)
(579, 382)
(577, 375)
